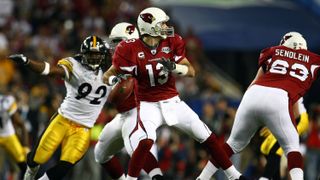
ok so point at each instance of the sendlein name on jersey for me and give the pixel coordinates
(293, 55)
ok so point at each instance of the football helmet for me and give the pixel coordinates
(94, 51)
(122, 31)
(151, 21)
(294, 40)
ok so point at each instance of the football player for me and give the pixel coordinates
(85, 97)
(110, 140)
(9, 120)
(154, 60)
(285, 73)
(271, 148)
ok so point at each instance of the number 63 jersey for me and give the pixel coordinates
(86, 93)
(291, 70)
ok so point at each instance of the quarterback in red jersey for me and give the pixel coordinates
(286, 72)
(154, 60)
(111, 138)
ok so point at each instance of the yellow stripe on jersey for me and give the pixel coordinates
(13, 108)
(94, 41)
(67, 65)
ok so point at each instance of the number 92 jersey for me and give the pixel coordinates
(134, 57)
(86, 93)
(291, 70)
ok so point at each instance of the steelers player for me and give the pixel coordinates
(9, 120)
(85, 97)
(271, 148)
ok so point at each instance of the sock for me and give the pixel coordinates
(208, 171)
(114, 168)
(154, 172)
(294, 160)
(228, 149)
(232, 173)
(152, 166)
(44, 177)
(59, 170)
(263, 178)
(217, 152)
(139, 157)
(123, 177)
(272, 166)
(131, 178)
(296, 174)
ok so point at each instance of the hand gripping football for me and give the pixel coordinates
(121, 91)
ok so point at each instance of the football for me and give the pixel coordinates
(121, 91)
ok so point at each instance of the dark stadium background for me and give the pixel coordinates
(223, 41)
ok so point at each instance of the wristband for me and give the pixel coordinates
(181, 70)
(111, 81)
(46, 69)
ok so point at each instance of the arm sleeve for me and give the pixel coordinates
(124, 60)
(179, 48)
(265, 54)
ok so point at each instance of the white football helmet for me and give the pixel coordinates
(150, 21)
(124, 31)
(121, 31)
(294, 40)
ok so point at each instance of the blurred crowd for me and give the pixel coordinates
(52, 29)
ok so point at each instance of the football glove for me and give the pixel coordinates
(19, 59)
(167, 64)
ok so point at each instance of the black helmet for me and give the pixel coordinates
(94, 52)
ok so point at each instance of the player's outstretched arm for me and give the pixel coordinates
(41, 67)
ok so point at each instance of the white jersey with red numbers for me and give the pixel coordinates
(8, 107)
(86, 93)
(135, 57)
(289, 69)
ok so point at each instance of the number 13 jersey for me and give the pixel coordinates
(86, 93)
(134, 57)
(291, 70)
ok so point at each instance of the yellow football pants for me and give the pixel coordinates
(74, 139)
(13, 146)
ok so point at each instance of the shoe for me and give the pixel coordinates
(31, 173)
(157, 177)
(242, 178)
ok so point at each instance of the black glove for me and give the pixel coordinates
(167, 64)
(19, 58)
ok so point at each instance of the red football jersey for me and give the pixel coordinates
(291, 70)
(128, 104)
(135, 57)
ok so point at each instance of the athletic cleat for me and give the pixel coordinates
(31, 173)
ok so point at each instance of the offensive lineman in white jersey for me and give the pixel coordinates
(117, 131)
(70, 127)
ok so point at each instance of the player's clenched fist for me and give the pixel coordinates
(19, 58)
